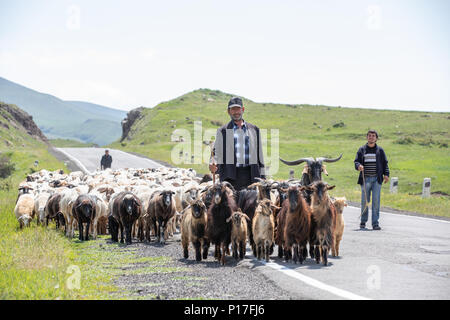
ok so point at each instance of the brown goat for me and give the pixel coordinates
(238, 233)
(297, 225)
(263, 226)
(323, 220)
(339, 203)
(193, 229)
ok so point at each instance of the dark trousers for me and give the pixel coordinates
(243, 178)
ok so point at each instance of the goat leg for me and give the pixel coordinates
(317, 253)
(198, 255)
(205, 249)
(242, 250)
(267, 250)
(325, 255)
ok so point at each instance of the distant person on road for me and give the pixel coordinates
(372, 164)
(237, 152)
(106, 160)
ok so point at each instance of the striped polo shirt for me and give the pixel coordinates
(370, 162)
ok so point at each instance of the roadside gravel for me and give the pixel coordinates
(167, 275)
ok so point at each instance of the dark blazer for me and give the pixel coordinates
(382, 163)
(228, 170)
(106, 161)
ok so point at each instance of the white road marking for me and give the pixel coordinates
(312, 282)
(406, 215)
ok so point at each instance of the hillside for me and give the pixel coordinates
(24, 143)
(17, 127)
(416, 143)
(57, 118)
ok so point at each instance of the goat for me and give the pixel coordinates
(160, 209)
(297, 225)
(312, 171)
(323, 220)
(339, 203)
(247, 202)
(218, 230)
(263, 226)
(238, 233)
(193, 229)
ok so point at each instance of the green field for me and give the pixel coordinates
(416, 143)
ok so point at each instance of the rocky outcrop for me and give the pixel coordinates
(128, 122)
(14, 116)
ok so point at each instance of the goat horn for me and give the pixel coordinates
(329, 160)
(229, 185)
(296, 162)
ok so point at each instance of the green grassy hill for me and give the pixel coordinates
(77, 120)
(36, 262)
(416, 143)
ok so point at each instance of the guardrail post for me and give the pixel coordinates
(394, 185)
(426, 188)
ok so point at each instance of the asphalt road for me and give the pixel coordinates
(88, 159)
(408, 259)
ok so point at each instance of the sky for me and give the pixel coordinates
(126, 54)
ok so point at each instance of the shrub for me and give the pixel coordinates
(6, 167)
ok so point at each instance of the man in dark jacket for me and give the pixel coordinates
(372, 164)
(106, 160)
(238, 156)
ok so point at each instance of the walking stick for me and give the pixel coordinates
(365, 195)
(213, 162)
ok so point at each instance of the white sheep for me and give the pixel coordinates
(24, 210)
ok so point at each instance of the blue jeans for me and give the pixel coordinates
(374, 188)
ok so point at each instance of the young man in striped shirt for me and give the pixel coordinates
(372, 163)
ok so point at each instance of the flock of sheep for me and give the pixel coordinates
(141, 203)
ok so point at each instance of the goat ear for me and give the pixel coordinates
(246, 216)
(228, 219)
(330, 187)
(187, 191)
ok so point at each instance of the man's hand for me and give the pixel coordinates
(360, 168)
(213, 168)
(386, 179)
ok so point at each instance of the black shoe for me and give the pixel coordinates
(376, 228)
(362, 226)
